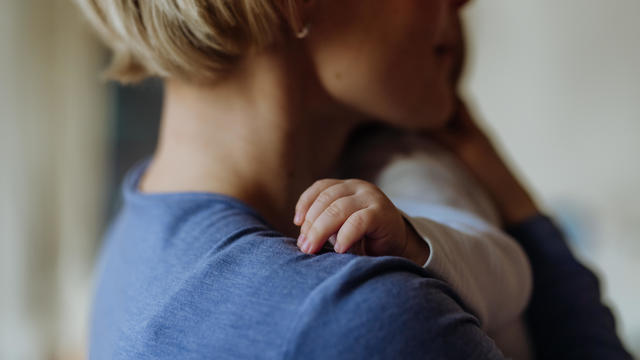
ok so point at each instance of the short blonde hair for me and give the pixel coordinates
(189, 39)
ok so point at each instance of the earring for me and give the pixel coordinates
(304, 32)
(305, 29)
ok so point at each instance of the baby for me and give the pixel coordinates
(394, 184)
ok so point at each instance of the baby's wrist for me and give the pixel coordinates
(416, 249)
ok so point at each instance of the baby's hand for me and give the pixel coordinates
(356, 210)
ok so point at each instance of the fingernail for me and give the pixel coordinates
(296, 219)
(337, 248)
(306, 246)
(300, 240)
(332, 239)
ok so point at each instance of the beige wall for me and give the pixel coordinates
(559, 83)
(52, 149)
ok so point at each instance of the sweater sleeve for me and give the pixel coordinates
(386, 308)
(566, 316)
(487, 268)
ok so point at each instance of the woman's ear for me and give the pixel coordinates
(296, 14)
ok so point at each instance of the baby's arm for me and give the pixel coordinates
(487, 269)
(484, 266)
(451, 211)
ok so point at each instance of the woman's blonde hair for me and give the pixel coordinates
(189, 39)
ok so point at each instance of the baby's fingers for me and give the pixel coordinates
(309, 196)
(329, 222)
(325, 199)
(355, 228)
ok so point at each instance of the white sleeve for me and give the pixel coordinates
(488, 269)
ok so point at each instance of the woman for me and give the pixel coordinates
(261, 97)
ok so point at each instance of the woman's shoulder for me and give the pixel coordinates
(385, 307)
(197, 258)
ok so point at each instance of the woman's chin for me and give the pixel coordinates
(427, 115)
(438, 115)
(430, 122)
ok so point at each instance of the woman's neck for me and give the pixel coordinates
(261, 135)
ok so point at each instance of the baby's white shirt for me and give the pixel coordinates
(456, 218)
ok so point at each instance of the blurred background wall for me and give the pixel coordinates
(558, 83)
(53, 147)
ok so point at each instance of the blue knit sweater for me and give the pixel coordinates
(204, 276)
